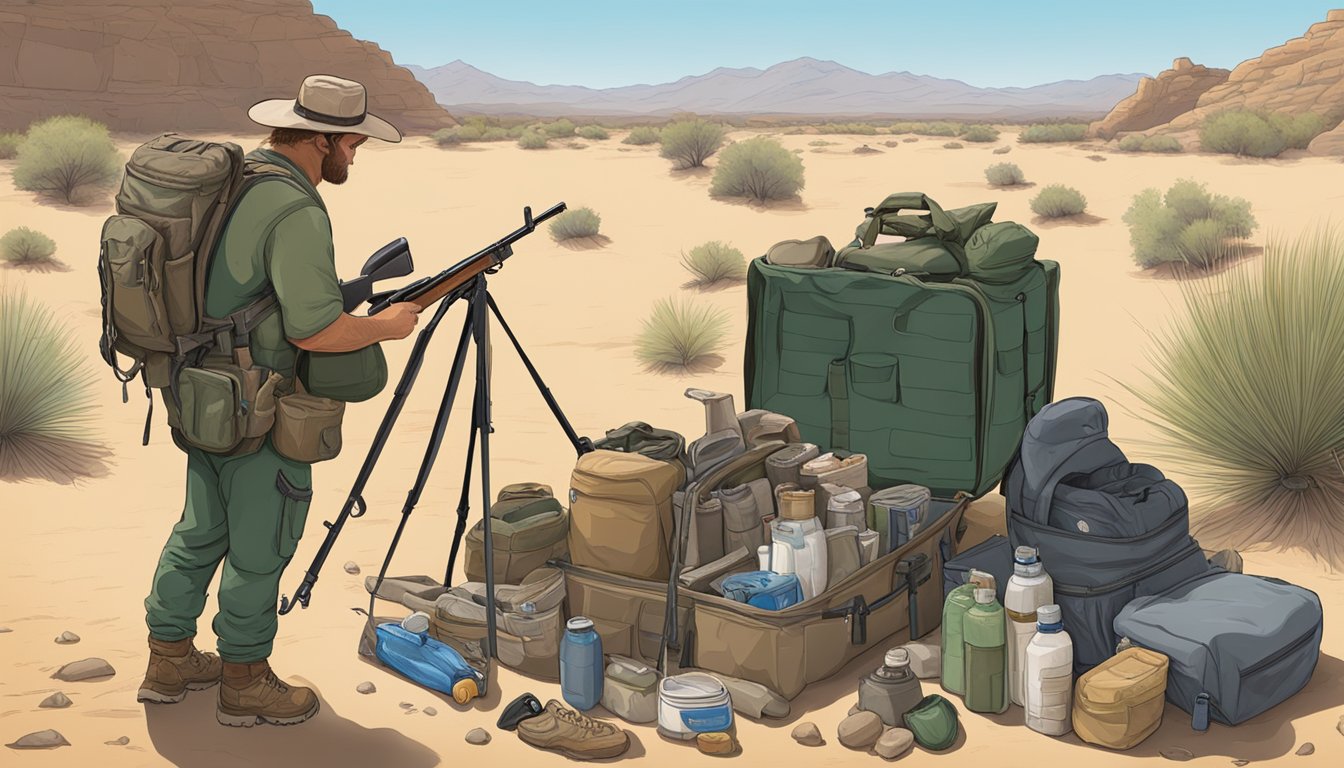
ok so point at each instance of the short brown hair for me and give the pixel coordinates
(283, 137)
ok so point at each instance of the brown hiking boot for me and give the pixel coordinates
(572, 734)
(174, 669)
(252, 694)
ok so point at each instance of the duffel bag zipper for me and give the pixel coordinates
(1064, 589)
(1279, 655)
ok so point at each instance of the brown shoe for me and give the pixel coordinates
(252, 694)
(572, 734)
(174, 669)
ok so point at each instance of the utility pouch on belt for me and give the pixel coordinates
(228, 405)
(307, 427)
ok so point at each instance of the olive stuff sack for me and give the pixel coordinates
(528, 526)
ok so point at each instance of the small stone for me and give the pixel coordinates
(1340, 726)
(860, 731)
(894, 743)
(1003, 150)
(40, 740)
(808, 734)
(123, 741)
(67, 638)
(365, 687)
(410, 711)
(1228, 559)
(85, 669)
(478, 736)
(5, 630)
(718, 744)
(926, 660)
(430, 711)
(1306, 749)
(406, 705)
(1176, 753)
(56, 700)
(351, 567)
(1240, 763)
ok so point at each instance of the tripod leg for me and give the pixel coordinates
(482, 426)
(582, 445)
(463, 502)
(431, 452)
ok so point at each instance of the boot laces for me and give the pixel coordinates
(582, 721)
(198, 659)
(274, 682)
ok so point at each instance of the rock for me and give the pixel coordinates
(1240, 763)
(121, 742)
(926, 659)
(1176, 753)
(366, 687)
(430, 711)
(478, 736)
(410, 711)
(854, 710)
(1306, 749)
(1328, 143)
(1097, 158)
(40, 740)
(860, 731)
(808, 734)
(351, 567)
(5, 630)
(85, 669)
(866, 150)
(718, 744)
(1003, 150)
(67, 638)
(56, 700)
(1340, 725)
(1159, 100)
(894, 743)
(1227, 559)
(406, 705)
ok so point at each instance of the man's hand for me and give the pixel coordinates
(401, 318)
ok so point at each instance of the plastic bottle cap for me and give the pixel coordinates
(579, 624)
(984, 596)
(1028, 570)
(897, 657)
(465, 690)
(417, 622)
(1048, 614)
(1025, 555)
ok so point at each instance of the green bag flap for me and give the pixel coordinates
(1001, 252)
(925, 256)
(639, 437)
(934, 723)
(350, 377)
(971, 218)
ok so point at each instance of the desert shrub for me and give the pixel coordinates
(1053, 132)
(46, 408)
(690, 142)
(1187, 225)
(26, 246)
(559, 129)
(641, 135)
(592, 132)
(1298, 130)
(575, 222)
(468, 132)
(821, 143)
(533, 140)
(1246, 388)
(866, 150)
(714, 262)
(1139, 143)
(981, 134)
(952, 145)
(9, 145)
(63, 156)
(447, 137)
(1243, 133)
(1003, 150)
(678, 335)
(759, 169)
(860, 129)
(1056, 201)
(938, 129)
(499, 133)
(1132, 143)
(1004, 175)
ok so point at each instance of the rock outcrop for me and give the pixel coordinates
(148, 66)
(1304, 75)
(1160, 99)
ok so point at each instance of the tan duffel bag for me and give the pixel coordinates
(620, 511)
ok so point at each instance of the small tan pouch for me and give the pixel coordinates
(307, 428)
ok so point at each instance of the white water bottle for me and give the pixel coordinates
(1049, 676)
(1027, 590)
(799, 547)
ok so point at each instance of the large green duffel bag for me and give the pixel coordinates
(933, 378)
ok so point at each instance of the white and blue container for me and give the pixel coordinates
(898, 513)
(581, 664)
(692, 704)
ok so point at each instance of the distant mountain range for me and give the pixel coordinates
(803, 86)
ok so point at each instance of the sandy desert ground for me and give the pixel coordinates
(79, 558)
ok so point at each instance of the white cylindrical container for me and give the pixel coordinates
(691, 704)
(1049, 676)
(1027, 590)
(799, 547)
(763, 556)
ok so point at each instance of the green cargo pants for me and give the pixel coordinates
(249, 512)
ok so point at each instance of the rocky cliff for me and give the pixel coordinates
(1161, 99)
(1306, 74)
(148, 66)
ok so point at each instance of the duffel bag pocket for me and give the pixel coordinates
(293, 515)
(211, 416)
(307, 428)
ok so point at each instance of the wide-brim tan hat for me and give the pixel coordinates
(327, 104)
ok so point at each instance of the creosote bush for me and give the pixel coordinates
(677, 335)
(1188, 225)
(1057, 201)
(575, 222)
(1139, 143)
(1053, 132)
(715, 262)
(760, 169)
(9, 145)
(953, 145)
(560, 129)
(22, 245)
(66, 157)
(981, 134)
(1004, 175)
(1248, 133)
(533, 140)
(689, 143)
(592, 132)
(642, 135)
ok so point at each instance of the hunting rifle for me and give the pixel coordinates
(452, 283)
(392, 260)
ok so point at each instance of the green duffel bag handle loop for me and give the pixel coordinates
(887, 217)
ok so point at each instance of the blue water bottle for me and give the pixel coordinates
(581, 664)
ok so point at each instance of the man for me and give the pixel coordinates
(248, 512)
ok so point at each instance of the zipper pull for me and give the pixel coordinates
(124, 397)
(1200, 719)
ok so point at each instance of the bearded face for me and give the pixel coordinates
(335, 165)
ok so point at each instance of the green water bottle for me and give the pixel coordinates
(984, 630)
(959, 601)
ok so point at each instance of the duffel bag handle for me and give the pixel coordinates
(887, 216)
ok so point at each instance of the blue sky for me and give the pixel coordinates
(600, 44)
